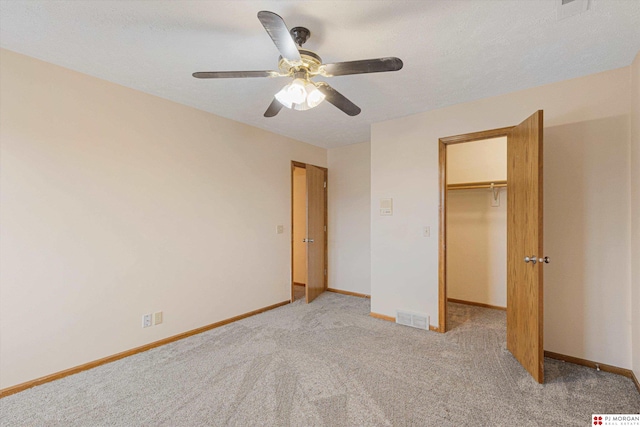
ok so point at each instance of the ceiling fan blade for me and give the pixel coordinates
(377, 65)
(339, 100)
(274, 108)
(234, 74)
(279, 33)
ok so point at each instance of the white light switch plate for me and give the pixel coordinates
(386, 207)
(426, 231)
(280, 229)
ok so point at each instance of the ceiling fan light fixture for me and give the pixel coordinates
(300, 95)
(283, 98)
(293, 93)
(314, 96)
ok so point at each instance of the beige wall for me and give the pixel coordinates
(586, 208)
(635, 210)
(349, 218)
(476, 230)
(116, 203)
(299, 225)
(477, 161)
(477, 247)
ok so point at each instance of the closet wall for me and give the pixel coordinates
(476, 230)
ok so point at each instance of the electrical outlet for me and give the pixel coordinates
(146, 320)
(157, 318)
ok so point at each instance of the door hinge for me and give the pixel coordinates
(325, 228)
(325, 184)
(325, 271)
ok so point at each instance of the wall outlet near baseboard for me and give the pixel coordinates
(146, 320)
(157, 318)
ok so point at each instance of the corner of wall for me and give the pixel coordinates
(635, 213)
(129, 204)
(349, 218)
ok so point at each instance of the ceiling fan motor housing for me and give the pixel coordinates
(300, 35)
(311, 62)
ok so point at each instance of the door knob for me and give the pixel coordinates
(546, 260)
(532, 259)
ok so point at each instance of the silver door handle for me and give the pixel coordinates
(546, 260)
(307, 240)
(532, 259)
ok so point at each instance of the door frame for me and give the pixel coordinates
(295, 164)
(442, 211)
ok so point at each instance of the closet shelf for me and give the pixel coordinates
(474, 185)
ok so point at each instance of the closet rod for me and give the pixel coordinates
(474, 185)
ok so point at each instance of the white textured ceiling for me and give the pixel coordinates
(453, 51)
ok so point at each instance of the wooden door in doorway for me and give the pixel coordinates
(524, 242)
(316, 232)
(524, 239)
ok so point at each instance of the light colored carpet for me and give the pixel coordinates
(327, 363)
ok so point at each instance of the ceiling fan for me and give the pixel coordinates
(303, 65)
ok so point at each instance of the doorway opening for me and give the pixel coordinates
(476, 224)
(299, 233)
(308, 231)
(524, 276)
(476, 263)
(457, 181)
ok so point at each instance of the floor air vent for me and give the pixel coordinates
(415, 320)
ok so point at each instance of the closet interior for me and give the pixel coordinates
(476, 223)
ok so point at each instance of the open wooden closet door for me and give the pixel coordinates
(316, 250)
(525, 255)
